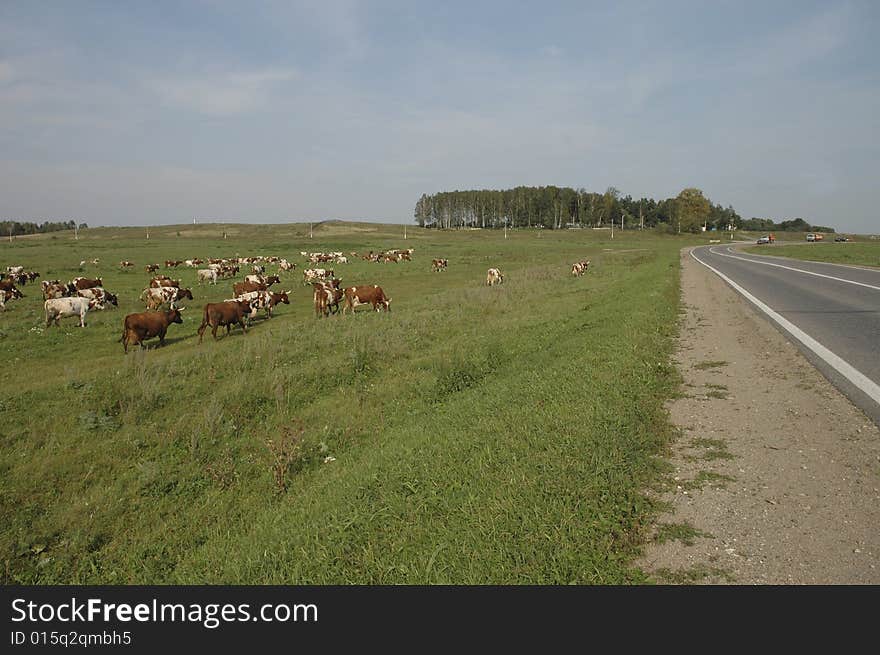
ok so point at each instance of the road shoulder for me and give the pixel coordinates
(775, 475)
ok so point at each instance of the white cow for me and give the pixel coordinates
(493, 276)
(58, 308)
(207, 275)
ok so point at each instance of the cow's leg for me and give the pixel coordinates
(162, 337)
(214, 330)
(201, 330)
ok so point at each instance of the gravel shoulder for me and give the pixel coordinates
(775, 474)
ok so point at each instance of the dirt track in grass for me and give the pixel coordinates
(776, 474)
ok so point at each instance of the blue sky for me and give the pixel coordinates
(140, 113)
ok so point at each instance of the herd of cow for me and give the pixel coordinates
(163, 295)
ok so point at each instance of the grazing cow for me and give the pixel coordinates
(312, 274)
(58, 308)
(224, 313)
(207, 275)
(8, 295)
(265, 300)
(285, 265)
(138, 327)
(99, 295)
(438, 265)
(7, 284)
(85, 283)
(258, 269)
(494, 277)
(579, 268)
(239, 288)
(172, 263)
(326, 297)
(163, 281)
(366, 295)
(156, 297)
(151, 268)
(126, 264)
(53, 289)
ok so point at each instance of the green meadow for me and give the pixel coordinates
(472, 435)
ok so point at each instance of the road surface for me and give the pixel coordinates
(830, 311)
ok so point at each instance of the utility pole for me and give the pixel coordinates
(75, 232)
(404, 231)
(310, 230)
(505, 228)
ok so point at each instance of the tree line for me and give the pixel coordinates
(564, 207)
(15, 228)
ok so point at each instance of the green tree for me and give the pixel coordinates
(691, 210)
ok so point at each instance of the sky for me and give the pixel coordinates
(139, 113)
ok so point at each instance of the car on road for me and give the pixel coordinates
(841, 238)
(763, 240)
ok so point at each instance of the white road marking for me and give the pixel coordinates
(799, 270)
(811, 261)
(861, 381)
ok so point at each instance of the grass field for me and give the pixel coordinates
(472, 435)
(864, 253)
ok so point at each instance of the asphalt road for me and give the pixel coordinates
(831, 312)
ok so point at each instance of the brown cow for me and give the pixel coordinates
(366, 295)
(151, 268)
(86, 283)
(7, 284)
(146, 325)
(224, 313)
(241, 288)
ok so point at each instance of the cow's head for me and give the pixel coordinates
(184, 293)
(174, 315)
(111, 298)
(273, 279)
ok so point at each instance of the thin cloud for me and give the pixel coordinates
(227, 94)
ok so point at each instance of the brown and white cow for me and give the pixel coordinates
(494, 276)
(163, 281)
(136, 328)
(265, 300)
(99, 295)
(156, 297)
(438, 265)
(207, 275)
(8, 295)
(369, 294)
(126, 264)
(54, 289)
(227, 314)
(326, 297)
(579, 268)
(151, 268)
